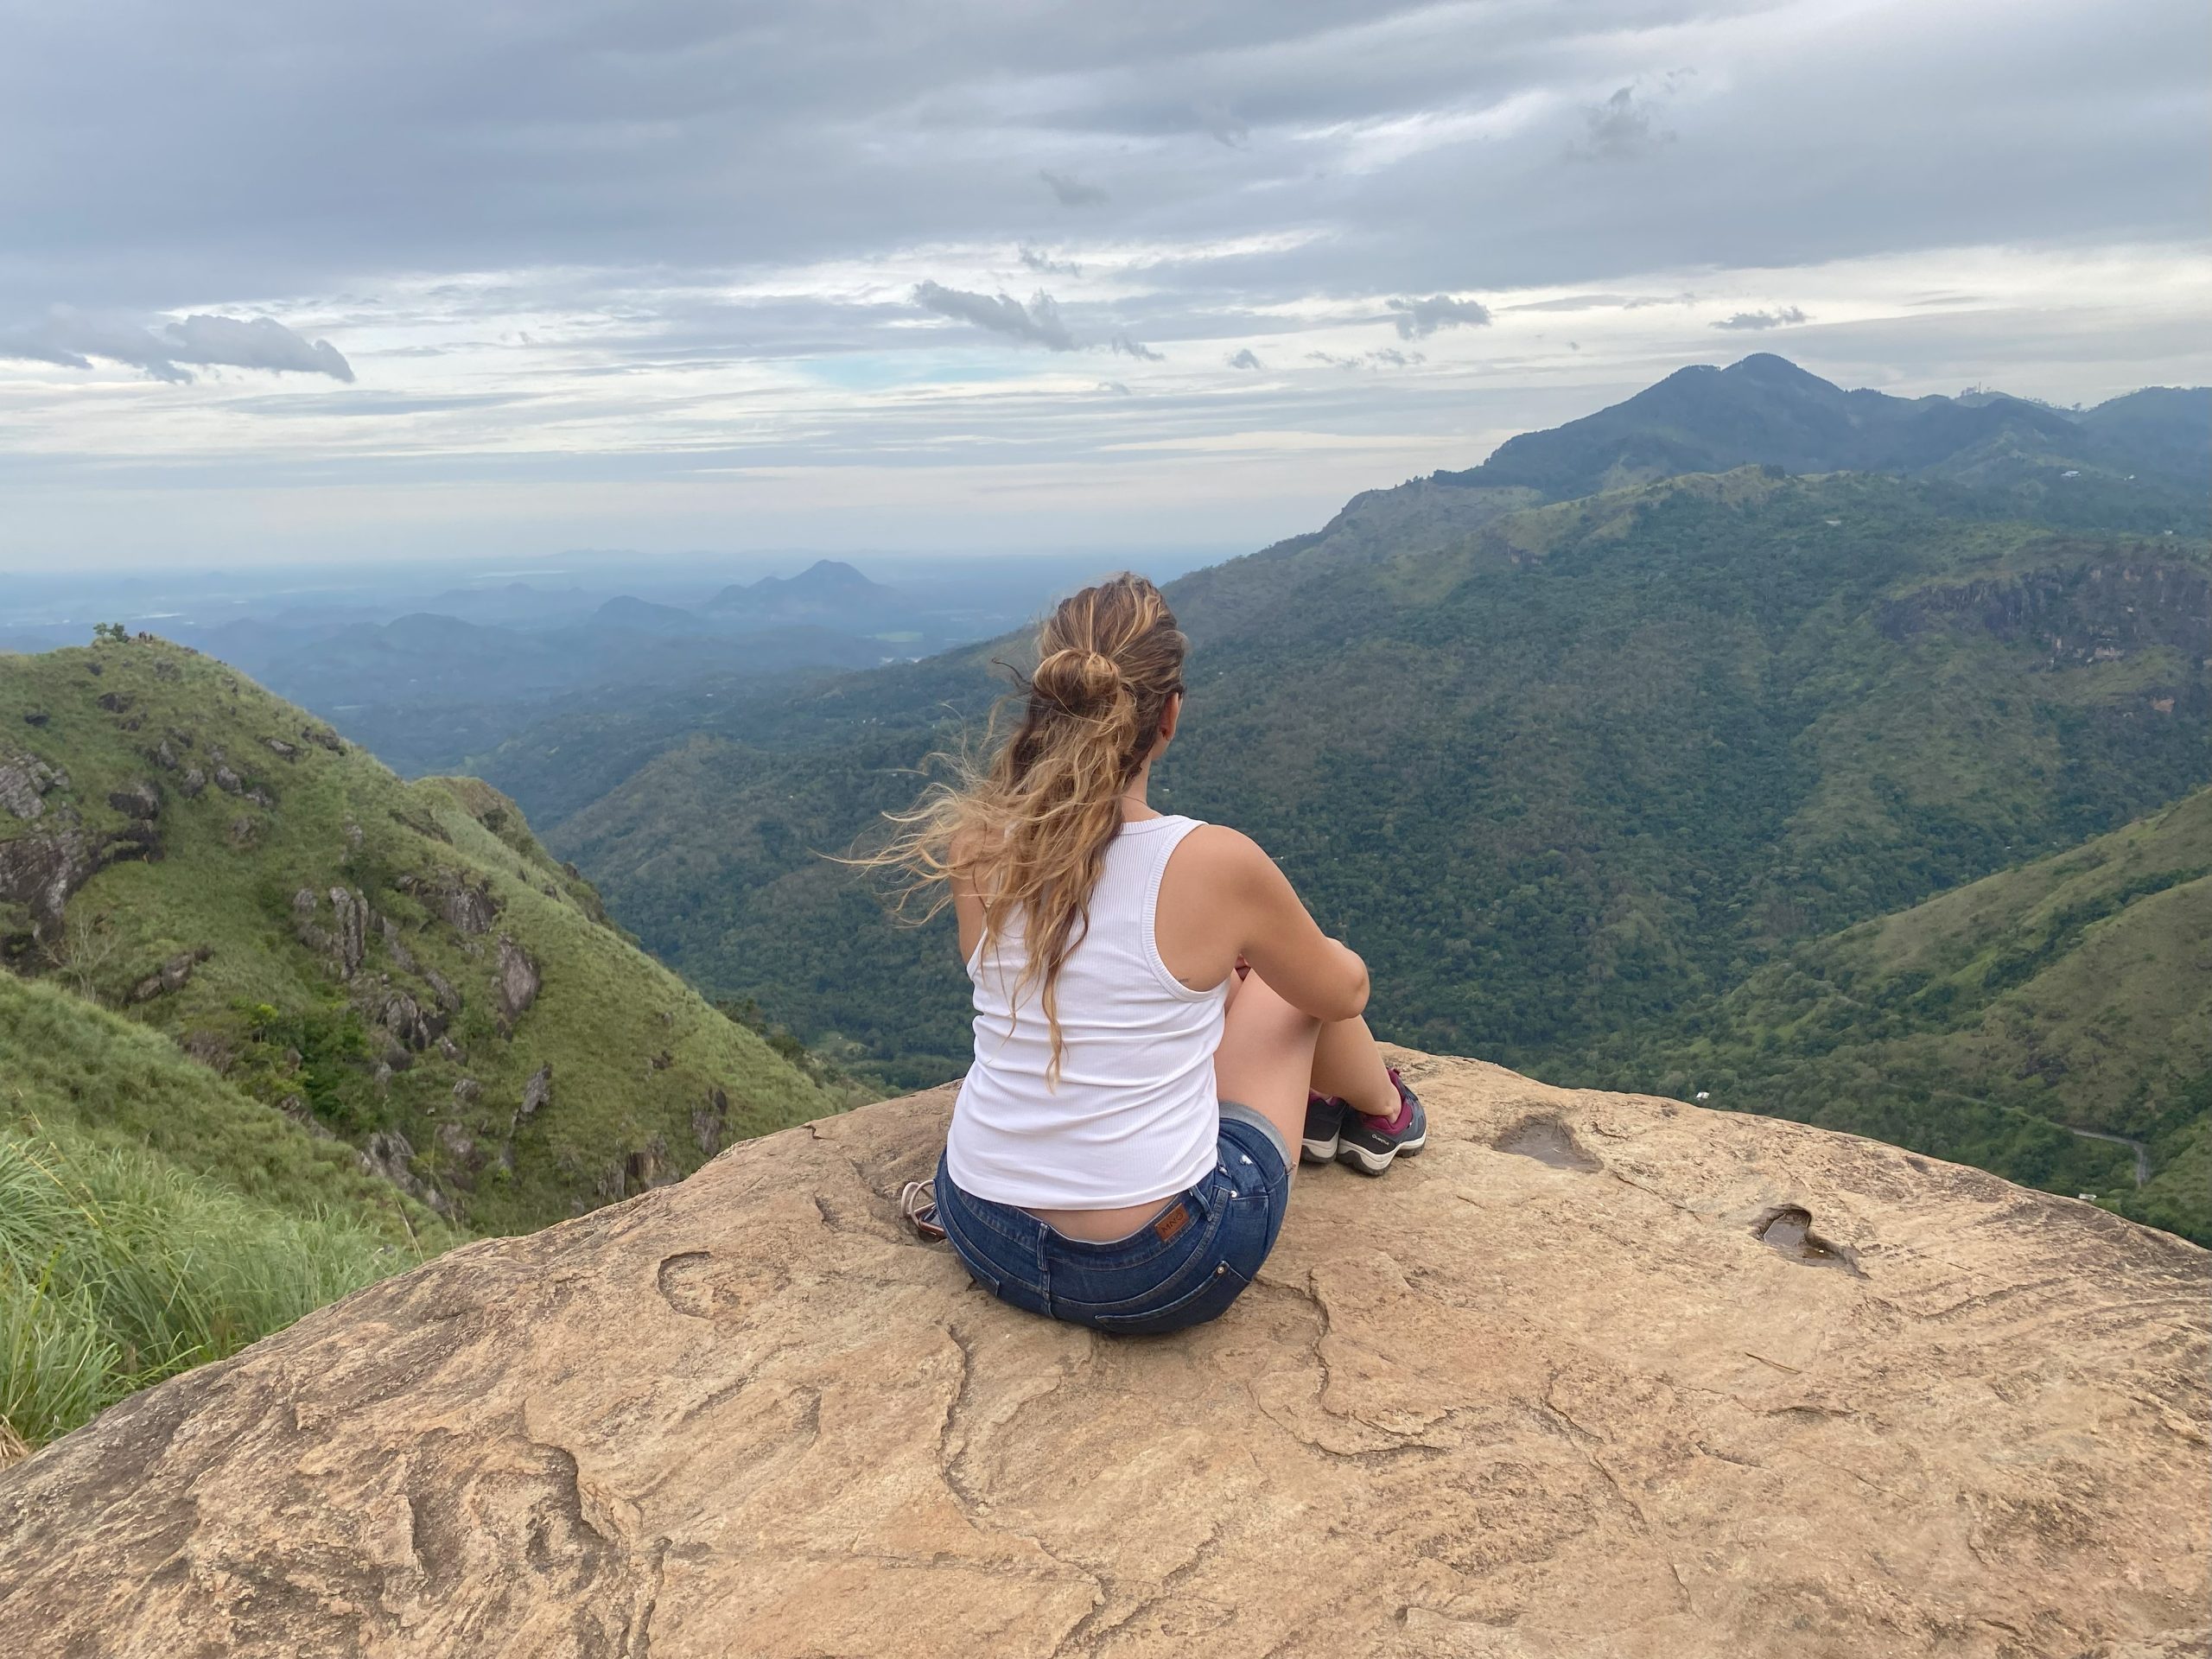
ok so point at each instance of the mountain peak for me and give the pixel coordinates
(1768, 368)
(1713, 1365)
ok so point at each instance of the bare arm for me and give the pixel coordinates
(1225, 898)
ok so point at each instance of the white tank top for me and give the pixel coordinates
(1136, 1115)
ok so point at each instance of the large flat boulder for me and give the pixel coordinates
(1597, 1374)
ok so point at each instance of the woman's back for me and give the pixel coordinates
(1132, 1115)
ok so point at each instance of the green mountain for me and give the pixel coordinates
(2004, 1024)
(1561, 778)
(1767, 412)
(400, 966)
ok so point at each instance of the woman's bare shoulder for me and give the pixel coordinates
(1217, 850)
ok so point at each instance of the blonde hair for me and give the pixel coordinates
(1029, 825)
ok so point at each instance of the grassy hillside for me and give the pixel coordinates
(153, 1217)
(1560, 778)
(399, 964)
(2073, 992)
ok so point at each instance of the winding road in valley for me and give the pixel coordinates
(2142, 1153)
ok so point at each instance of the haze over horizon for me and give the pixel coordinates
(414, 282)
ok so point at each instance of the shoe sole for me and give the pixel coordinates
(1352, 1156)
(1320, 1152)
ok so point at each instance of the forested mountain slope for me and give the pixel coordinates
(1560, 780)
(2073, 992)
(401, 965)
(2141, 462)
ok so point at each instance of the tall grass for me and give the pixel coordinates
(118, 1268)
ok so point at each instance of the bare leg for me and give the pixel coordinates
(1348, 1064)
(1266, 1058)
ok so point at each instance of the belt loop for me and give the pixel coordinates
(1199, 1198)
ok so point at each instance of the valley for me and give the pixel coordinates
(1569, 773)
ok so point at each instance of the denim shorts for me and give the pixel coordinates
(1182, 1267)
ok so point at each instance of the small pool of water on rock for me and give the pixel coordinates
(1549, 1142)
(1789, 1230)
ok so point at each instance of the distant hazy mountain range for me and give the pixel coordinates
(428, 680)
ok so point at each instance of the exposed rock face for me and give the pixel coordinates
(389, 1153)
(24, 781)
(536, 1094)
(1559, 1400)
(710, 1121)
(139, 800)
(515, 982)
(349, 930)
(170, 975)
(41, 870)
(345, 940)
(467, 905)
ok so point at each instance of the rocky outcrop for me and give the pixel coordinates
(515, 982)
(1595, 1376)
(390, 1154)
(39, 871)
(2093, 612)
(25, 780)
(171, 976)
(536, 1094)
(346, 939)
(710, 1121)
(466, 905)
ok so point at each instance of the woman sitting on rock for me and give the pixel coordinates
(1157, 1018)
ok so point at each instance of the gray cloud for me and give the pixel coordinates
(72, 339)
(1245, 359)
(1781, 318)
(1225, 128)
(1419, 318)
(1123, 346)
(1044, 265)
(1037, 323)
(1114, 387)
(662, 190)
(1618, 130)
(1071, 192)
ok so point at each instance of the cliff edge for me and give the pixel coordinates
(1597, 1374)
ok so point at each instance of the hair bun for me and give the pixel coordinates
(1078, 681)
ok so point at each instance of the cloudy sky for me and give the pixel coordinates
(412, 278)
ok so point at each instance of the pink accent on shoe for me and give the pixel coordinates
(1397, 1125)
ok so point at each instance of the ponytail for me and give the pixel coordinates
(1029, 826)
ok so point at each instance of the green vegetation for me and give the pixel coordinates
(1562, 779)
(153, 1217)
(2071, 994)
(401, 964)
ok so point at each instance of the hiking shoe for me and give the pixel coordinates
(1325, 1117)
(1370, 1144)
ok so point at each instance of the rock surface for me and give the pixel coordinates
(1597, 1374)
